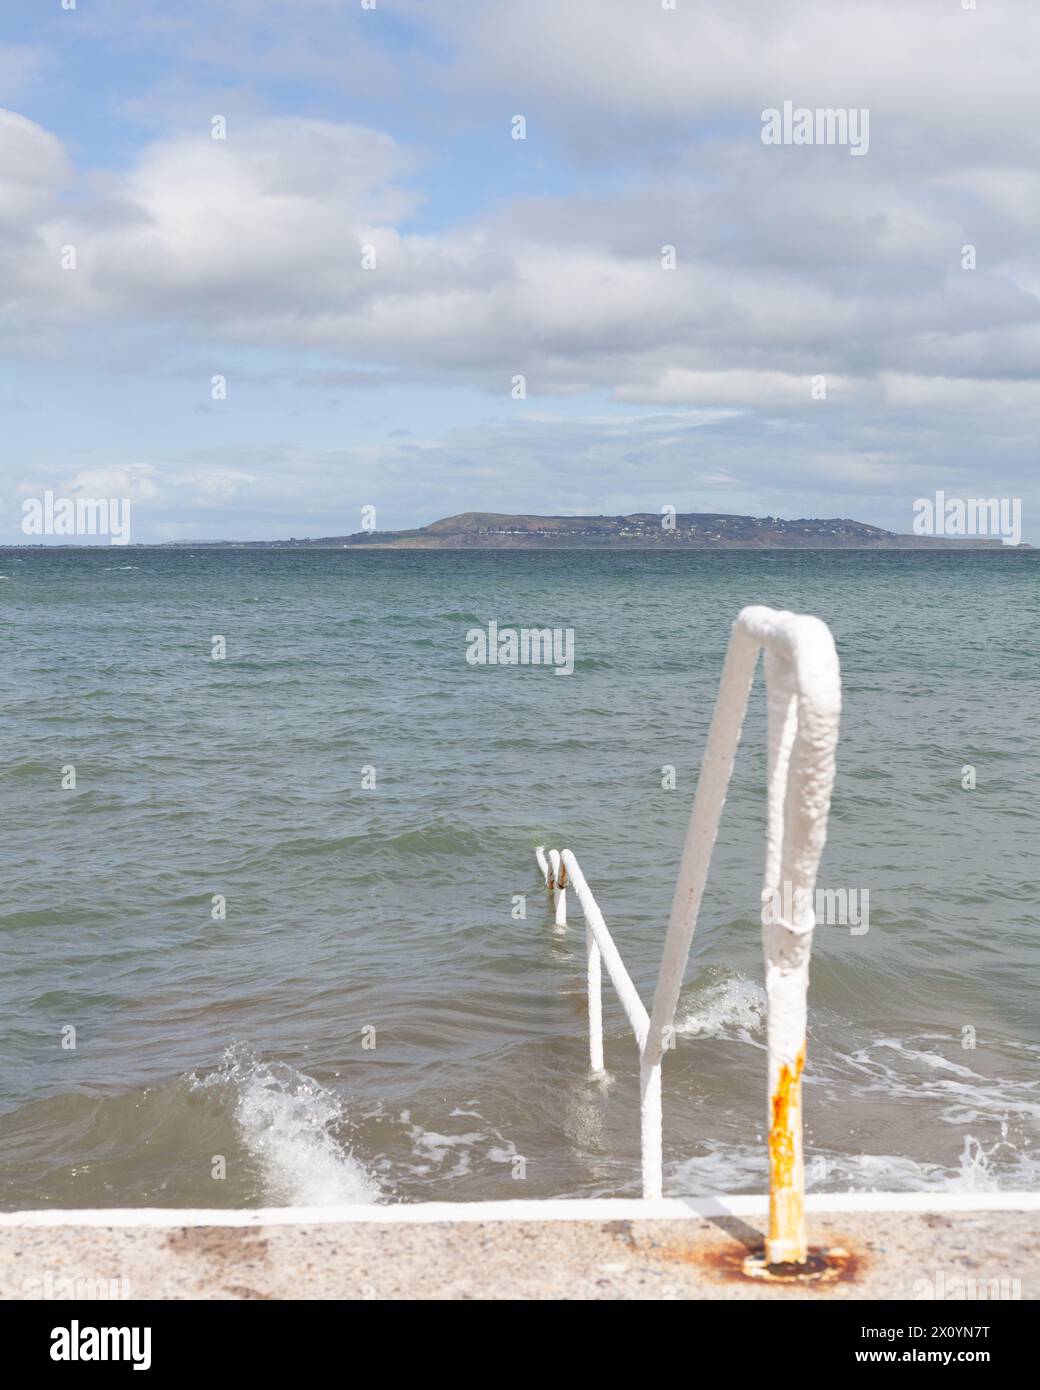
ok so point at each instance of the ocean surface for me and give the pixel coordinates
(372, 1019)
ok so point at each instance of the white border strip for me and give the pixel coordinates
(557, 1209)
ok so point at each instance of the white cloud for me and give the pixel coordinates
(33, 169)
(258, 240)
(959, 78)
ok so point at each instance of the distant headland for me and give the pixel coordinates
(638, 531)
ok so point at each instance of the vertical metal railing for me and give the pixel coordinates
(803, 708)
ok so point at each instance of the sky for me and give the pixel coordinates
(369, 259)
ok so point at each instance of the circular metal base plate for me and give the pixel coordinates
(820, 1265)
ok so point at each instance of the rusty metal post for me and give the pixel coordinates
(803, 705)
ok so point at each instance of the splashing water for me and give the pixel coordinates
(287, 1122)
(727, 1007)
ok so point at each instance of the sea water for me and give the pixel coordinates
(272, 931)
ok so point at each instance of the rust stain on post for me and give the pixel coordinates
(787, 1242)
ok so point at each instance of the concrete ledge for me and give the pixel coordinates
(552, 1209)
(900, 1246)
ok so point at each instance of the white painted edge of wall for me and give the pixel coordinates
(553, 1209)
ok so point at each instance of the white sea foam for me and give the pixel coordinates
(722, 1169)
(449, 1156)
(965, 1096)
(724, 1008)
(287, 1122)
(743, 1168)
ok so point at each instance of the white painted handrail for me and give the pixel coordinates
(603, 943)
(555, 881)
(803, 686)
